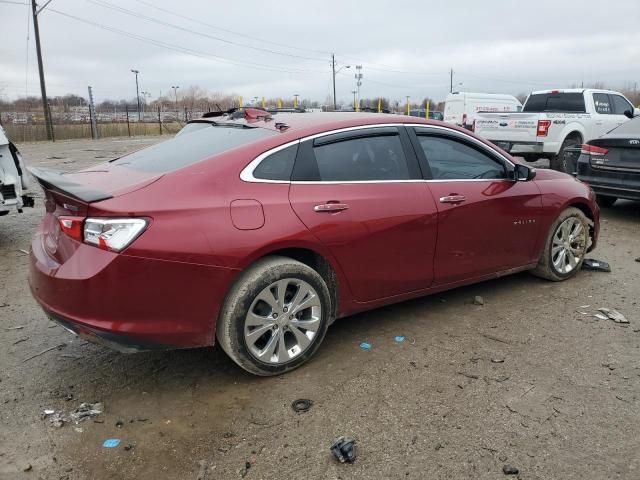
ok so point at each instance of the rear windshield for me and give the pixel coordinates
(555, 102)
(197, 142)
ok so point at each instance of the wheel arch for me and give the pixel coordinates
(573, 130)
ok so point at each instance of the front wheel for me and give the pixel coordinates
(565, 247)
(275, 316)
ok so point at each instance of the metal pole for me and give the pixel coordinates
(126, 109)
(43, 90)
(92, 114)
(136, 72)
(333, 67)
(451, 81)
(159, 120)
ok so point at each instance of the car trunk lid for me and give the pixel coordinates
(623, 155)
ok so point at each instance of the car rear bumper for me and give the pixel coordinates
(609, 183)
(129, 303)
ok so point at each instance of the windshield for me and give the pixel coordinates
(195, 142)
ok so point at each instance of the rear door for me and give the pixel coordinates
(360, 192)
(486, 221)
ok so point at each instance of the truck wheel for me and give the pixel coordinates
(565, 246)
(566, 161)
(528, 157)
(275, 316)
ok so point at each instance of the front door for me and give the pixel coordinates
(360, 193)
(486, 222)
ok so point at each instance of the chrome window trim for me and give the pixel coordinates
(246, 174)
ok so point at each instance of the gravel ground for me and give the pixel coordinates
(525, 380)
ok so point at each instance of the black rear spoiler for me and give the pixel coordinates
(54, 180)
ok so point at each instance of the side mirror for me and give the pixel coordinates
(632, 113)
(522, 173)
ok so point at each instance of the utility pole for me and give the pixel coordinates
(43, 89)
(175, 93)
(92, 114)
(333, 69)
(354, 98)
(451, 81)
(136, 72)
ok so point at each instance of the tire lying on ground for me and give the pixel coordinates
(565, 246)
(275, 316)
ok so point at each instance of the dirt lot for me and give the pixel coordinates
(524, 380)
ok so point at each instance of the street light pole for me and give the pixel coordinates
(136, 72)
(354, 98)
(333, 69)
(175, 93)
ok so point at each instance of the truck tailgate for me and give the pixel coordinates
(508, 127)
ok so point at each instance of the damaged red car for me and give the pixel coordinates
(258, 231)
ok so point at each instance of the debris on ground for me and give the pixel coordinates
(301, 405)
(18, 327)
(344, 449)
(478, 300)
(202, 473)
(497, 360)
(637, 260)
(87, 410)
(596, 265)
(62, 345)
(27, 467)
(111, 443)
(119, 424)
(57, 419)
(509, 470)
(365, 346)
(613, 314)
(128, 447)
(399, 338)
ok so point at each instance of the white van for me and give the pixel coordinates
(460, 108)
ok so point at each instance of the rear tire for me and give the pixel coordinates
(262, 325)
(605, 201)
(565, 246)
(564, 161)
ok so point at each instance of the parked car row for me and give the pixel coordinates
(14, 182)
(257, 231)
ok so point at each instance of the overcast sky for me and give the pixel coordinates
(280, 48)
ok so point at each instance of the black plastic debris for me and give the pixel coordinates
(509, 470)
(301, 405)
(344, 449)
(596, 265)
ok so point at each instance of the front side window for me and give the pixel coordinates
(362, 159)
(451, 159)
(620, 105)
(602, 103)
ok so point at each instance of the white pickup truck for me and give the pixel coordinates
(554, 123)
(13, 178)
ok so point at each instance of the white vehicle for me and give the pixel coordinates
(554, 123)
(461, 108)
(13, 178)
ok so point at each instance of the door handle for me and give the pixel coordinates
(330, 207)
(453, 198)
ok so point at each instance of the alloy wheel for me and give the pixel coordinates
(282, 321)
(569, 244)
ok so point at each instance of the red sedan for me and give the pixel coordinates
(261, 230)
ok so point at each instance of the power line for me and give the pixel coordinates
(215, 27)
(194, 32)
(180, 49)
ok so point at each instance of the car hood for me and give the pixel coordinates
(547, 174)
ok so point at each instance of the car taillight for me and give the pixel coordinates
(71, 226)
(113, 234)
(592, 150)
(543, 128)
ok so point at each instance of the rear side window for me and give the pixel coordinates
(278, 165)
(620, 105)
(555, 102)
(451, 159)
(602, 103)
(184, 150)
(362, 159)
